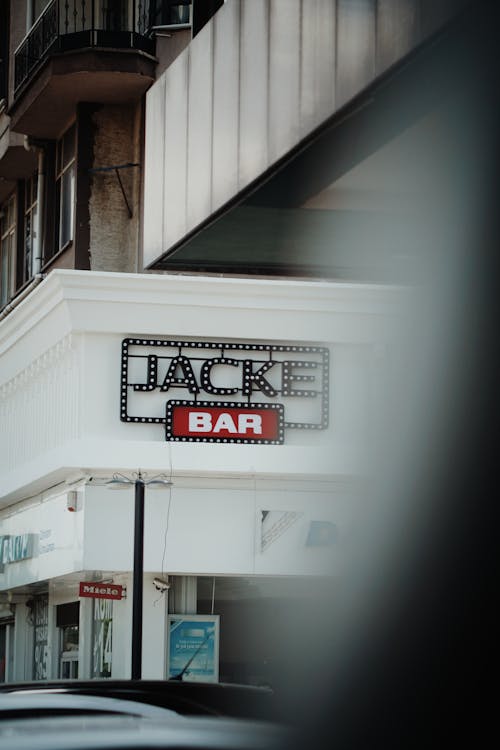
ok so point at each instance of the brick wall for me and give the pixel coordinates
(113, 234)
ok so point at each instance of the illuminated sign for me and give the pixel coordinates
(218, 422)
(224, 391)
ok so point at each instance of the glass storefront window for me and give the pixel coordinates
(102, 638)
(68, 623)
(3, 650)
(40, 634)
(69, 651)
(69, 638)
(6, 649)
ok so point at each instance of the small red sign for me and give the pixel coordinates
(101, 590)
(219, 422)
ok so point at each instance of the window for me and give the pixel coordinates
(65, 189)
(7, 250)
(30, 219)
(4, 51)
(40, 619)
(67, 621)
(6, 649)
(169, 12)
(69, 651)
(102, 638)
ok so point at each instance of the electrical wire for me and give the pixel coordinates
(168, 512)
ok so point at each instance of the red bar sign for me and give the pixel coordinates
(101, 590)
(219, 422)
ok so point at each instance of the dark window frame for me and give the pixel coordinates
(4, 49)
(8, 249)
(65, 166)
(29, 224)
(168, 13)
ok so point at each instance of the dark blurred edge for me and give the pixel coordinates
(422, 675)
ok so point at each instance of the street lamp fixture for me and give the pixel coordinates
(139, 482)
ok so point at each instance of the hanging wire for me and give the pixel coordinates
(254, 478)
(168, 512)
(157, 600)
(213, 595)
(170, 459)
(166, 532)
(163, 574)
(163, 557)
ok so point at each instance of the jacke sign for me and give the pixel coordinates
(224, 392)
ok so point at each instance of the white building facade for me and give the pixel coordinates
(238, 510)
(232, 367)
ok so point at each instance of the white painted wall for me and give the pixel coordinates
(209, 523)
(60, 364)
(60, 357)
(59, 546)
(198, 527)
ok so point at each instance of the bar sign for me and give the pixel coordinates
(222, 422)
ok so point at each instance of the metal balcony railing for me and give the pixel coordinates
(79, 24)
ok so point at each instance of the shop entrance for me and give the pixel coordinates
(6, 649)
(68, 624)
(264, 624)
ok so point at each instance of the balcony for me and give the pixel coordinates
(80, 50)
(67, 26)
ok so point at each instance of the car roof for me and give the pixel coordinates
(38, 703)
(99, 732)
(187, 698)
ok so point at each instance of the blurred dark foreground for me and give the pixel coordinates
(405, 652)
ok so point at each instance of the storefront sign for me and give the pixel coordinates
(46, 542)
(16, 548)
(193, 648)
(260, 389)
(101, 590)
(217, 422)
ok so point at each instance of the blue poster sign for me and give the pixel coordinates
(193, 648)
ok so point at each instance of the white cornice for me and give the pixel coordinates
(61, 287)
(84, 302)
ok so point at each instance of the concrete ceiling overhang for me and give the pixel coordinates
(47, 102)
(6, 187)
(15, 161)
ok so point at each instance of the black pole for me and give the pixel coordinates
(138, 581)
